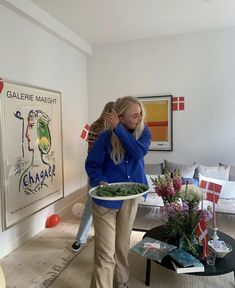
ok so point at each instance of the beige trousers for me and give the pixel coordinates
(2, 279)
(112, 240)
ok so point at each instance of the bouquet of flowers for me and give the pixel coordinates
(168, 186)
(181, 209)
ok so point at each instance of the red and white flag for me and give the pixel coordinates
(177, 103)
(85, 131)
(202, 234)
(212, 190)
(1, 85)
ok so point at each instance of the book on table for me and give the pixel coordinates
(197, 267)
(184, 262)
(152, 248)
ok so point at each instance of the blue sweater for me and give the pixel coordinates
(101, 168)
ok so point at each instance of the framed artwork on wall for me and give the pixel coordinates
(158, 117)
(31, 150)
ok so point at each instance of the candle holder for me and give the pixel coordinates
(215, 236)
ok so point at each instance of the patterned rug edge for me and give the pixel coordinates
(49, 277)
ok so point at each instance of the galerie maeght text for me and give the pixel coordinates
(30, 97)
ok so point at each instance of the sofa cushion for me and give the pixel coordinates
(228, 187)
(187, 171)
(154, 169)
(152, 199)
(231, 172)
(216, 172)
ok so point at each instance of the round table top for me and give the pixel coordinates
(222, 265)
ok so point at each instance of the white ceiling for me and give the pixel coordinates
(107, 21)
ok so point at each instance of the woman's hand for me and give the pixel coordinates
(103, 183)
(113, 119)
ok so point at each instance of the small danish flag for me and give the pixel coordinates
(212, 190)
(202, 235)
(177, 103)
(1, 85)
(85, 131)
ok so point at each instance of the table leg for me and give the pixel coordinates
(148, 272)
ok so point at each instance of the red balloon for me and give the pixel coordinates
(52, 220)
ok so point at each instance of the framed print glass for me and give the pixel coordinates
(158, 117)
(31, 150)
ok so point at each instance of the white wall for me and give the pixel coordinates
(198, 66)
(31, 55)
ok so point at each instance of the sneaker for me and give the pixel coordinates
(77, 246)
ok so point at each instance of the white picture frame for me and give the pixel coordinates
(31, 150)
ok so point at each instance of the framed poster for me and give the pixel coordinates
(31, 150)
(158, 117)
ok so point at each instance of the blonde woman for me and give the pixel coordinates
(117, 156)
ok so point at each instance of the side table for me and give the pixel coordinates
(222, 265)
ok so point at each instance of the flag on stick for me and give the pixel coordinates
(85, 130)
(212, 190)
(202, 234)
(1, 85)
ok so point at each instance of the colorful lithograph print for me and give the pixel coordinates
(158, 117)
(31, 150)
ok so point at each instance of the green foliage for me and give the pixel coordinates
(120, 190)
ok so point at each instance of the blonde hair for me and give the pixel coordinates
(121, 106)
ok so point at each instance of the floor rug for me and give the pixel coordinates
(54, 271)
(38, 262)
(78, 273)
(46, 260)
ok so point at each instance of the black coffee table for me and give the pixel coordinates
(222, 265)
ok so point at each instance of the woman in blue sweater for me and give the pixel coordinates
(117, 156)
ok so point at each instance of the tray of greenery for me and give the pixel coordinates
(119, 191)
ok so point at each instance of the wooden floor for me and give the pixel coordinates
(41, 256)
(30, 264)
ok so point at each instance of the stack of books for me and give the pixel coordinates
(185, 262)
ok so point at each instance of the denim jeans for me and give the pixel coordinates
(85, 222)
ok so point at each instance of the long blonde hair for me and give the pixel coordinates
(121, 106)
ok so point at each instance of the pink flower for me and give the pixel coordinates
(177, 183)
(165, 190)
(167, 186)
(206, 214)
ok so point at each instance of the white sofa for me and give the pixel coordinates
(222, 174)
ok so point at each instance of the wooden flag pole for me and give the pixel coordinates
(214, 217)
(202, 201)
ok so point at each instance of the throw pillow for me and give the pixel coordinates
(216, 172)
(228, 187)
(231, 172)
(154, 169)
(187, 171)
